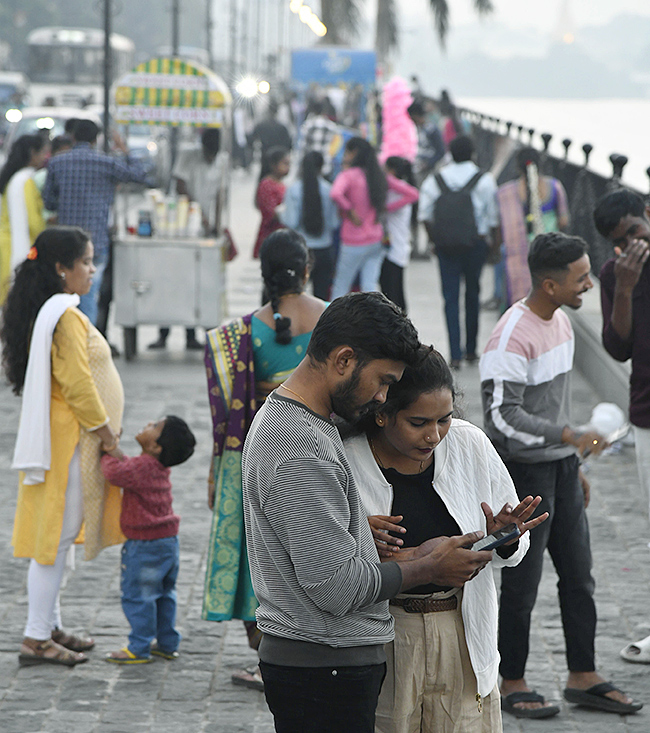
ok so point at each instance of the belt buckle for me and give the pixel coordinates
(412, 605)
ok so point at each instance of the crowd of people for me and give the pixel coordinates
(349, 500)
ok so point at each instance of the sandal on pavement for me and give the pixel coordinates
(509, 701)
(72, 642)
(638, 653)
(596, 697)
(248, 678)
(124, 656)
(48, 652)
(155, 649)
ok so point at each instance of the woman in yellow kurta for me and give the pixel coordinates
(72, 407)
(21, 206)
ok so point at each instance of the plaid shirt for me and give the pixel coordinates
(80, 187)
(317, 133)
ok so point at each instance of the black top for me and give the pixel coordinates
(425, 514)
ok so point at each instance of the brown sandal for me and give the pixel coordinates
(72, 642)
(48, 652)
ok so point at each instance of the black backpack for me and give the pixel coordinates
(454, 223)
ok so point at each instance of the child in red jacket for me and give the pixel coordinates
(150, 555)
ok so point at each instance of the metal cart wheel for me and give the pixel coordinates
(130, 343)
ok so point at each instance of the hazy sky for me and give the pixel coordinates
(542, 14)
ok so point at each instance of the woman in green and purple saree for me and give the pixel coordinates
(245, 360)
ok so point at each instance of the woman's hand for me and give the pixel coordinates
(387, 545)
(519, 516)
(354, 218)
(211, 493)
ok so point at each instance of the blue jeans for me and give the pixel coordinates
(89, 301)
(364, 260)
(466, 263)
(148, 584)
(323, 699)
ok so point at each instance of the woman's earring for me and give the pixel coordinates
(380, 421)
(63, 276)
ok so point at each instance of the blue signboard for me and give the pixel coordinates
(333, 66)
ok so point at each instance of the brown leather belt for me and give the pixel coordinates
(425, 605)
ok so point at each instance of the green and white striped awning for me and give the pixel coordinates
(171, 91)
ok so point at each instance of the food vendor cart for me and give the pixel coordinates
(172, 275)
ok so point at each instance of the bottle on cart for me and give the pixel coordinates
(144, 223)
(194, 220)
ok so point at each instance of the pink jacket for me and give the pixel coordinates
(350, 191)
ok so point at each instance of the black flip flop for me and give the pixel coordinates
(509, 701)
(595, 697)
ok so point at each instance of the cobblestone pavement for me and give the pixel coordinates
(195, 693)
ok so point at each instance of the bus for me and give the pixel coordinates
(66, 65)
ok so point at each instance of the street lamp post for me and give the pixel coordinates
(108, 72)
(209, 28)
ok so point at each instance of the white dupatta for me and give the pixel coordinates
(18, 219)
(33, 451)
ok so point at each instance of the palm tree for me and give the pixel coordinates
(342, 20)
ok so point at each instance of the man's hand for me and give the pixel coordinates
(519, 516)
(387, 545)
(629, 264)
(118, 142)
(587, 443)
(445, 562)
(586, 487)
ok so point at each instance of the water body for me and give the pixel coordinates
(610, 125)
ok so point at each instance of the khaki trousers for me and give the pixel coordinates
(430, 685)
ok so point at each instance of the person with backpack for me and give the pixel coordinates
(459, 210)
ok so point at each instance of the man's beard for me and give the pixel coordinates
(344, 400)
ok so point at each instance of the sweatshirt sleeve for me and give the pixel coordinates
(340, 582)
(34, 204)
(123, 472)
(293, 205)
(614, 345)
(339, 192)
(503, 383)
(71, 370)
(407, 194)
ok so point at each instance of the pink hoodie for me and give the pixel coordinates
(350, 191)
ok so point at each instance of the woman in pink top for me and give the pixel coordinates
(360, 193)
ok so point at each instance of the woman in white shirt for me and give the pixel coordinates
(422, 473)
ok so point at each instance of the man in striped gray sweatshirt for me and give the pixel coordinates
(525, 383)
(322, 591)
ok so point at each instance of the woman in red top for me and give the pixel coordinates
(270, 192)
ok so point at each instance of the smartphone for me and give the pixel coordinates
(497, 538)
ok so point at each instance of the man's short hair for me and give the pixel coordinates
(370, 324)
(551, 254)
(176, 440)
(613, 207)
(315, 107)
(461, 148)
(68, 127)
(85, 131)
(211, 139)
(416, 109)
